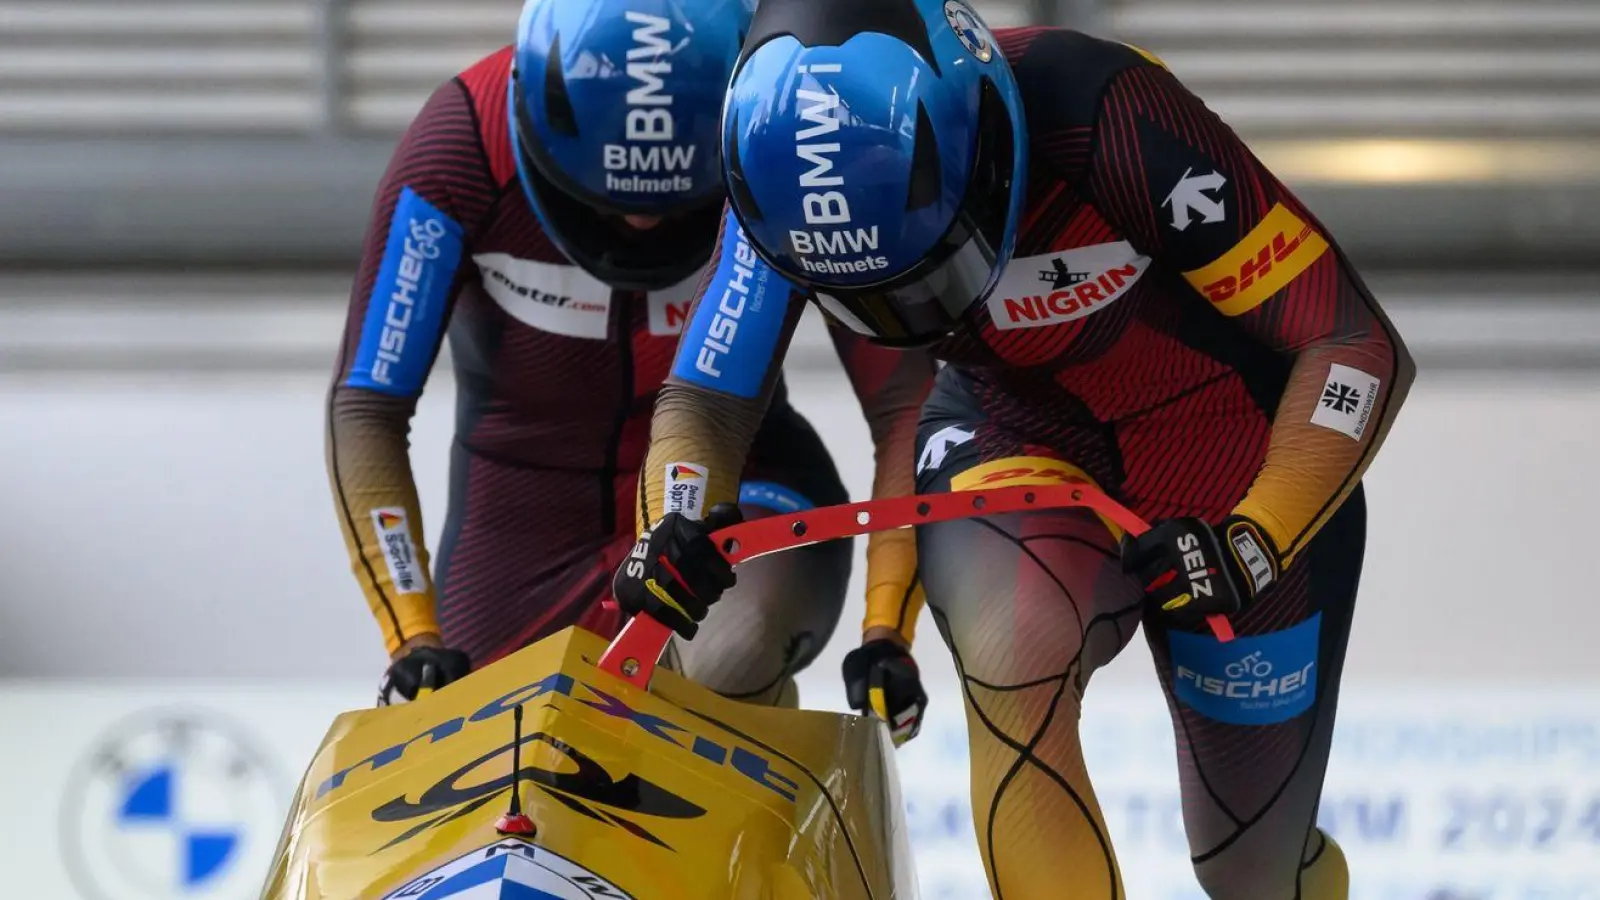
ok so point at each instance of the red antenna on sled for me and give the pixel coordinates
(514, 822)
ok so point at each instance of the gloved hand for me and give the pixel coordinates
(881, 679)
(675, 571)
(423, 663)
(1193, 571)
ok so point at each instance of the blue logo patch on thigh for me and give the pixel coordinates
(1258, 680)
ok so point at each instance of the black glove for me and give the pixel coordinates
(423, 668)
(1193, 571)
(881, 679)
(675, 571)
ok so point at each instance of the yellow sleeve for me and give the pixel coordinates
(891, 386)
(375, 496)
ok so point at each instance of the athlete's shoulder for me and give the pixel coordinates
(1062, 74)
(483, 85)
(487, 78)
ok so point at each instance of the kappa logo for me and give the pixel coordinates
(512, 870)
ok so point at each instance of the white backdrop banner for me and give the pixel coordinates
(1449, 793)
(176, 791)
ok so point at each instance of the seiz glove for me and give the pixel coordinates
(881, 679)
(420, 669)
(1191, 570)
(675, 571)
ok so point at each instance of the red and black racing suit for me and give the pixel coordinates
(556, 376)
(1177, 328)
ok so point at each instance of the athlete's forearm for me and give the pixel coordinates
(698, 443)
(891, 386)
(375, 498)
(1342, 397)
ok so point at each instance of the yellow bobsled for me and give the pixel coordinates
(669, 794)
(639, 784)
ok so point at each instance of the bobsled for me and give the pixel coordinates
(577, 769)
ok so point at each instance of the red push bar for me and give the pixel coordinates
(633, 655)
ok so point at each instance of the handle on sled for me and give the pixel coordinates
(633, 655)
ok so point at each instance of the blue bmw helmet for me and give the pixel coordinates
(615, 107)
(875, 152)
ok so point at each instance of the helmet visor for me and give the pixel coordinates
(924, 307)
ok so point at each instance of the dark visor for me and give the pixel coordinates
(928, 302)
(590, 227)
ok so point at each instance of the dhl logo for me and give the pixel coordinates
(1264, 263)
(1018, 471)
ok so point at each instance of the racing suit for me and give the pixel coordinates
(1176, 328)
(556, 376)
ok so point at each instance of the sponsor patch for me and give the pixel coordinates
(686, 489)
(1260, 680)
(399, 551)
(1252, 557)
(1272, 255)
(1036, 291)
(554, 297)
(729, 344)
(406, 310)
(773, 496)
(969, 30)
(1347, 400)
(1014, 471)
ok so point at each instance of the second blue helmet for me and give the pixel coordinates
(875, 152)
(614, 106)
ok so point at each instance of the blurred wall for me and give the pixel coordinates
(1425, 132)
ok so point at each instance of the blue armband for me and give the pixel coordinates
(729, 344)
(407, 307)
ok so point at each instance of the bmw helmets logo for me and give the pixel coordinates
(509, 870)
(969, 29)
(172, 805)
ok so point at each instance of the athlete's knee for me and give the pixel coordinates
(1319, 872)
(769, 627)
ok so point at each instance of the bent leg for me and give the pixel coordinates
(771, 625)
(785, 607)
(1030, 605)
(1254, 722)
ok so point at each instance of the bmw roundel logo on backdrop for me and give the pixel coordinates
(509, 870)
(171, 806)
(971, 31)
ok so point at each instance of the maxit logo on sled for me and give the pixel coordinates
(1258, 680)
(406, 310)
